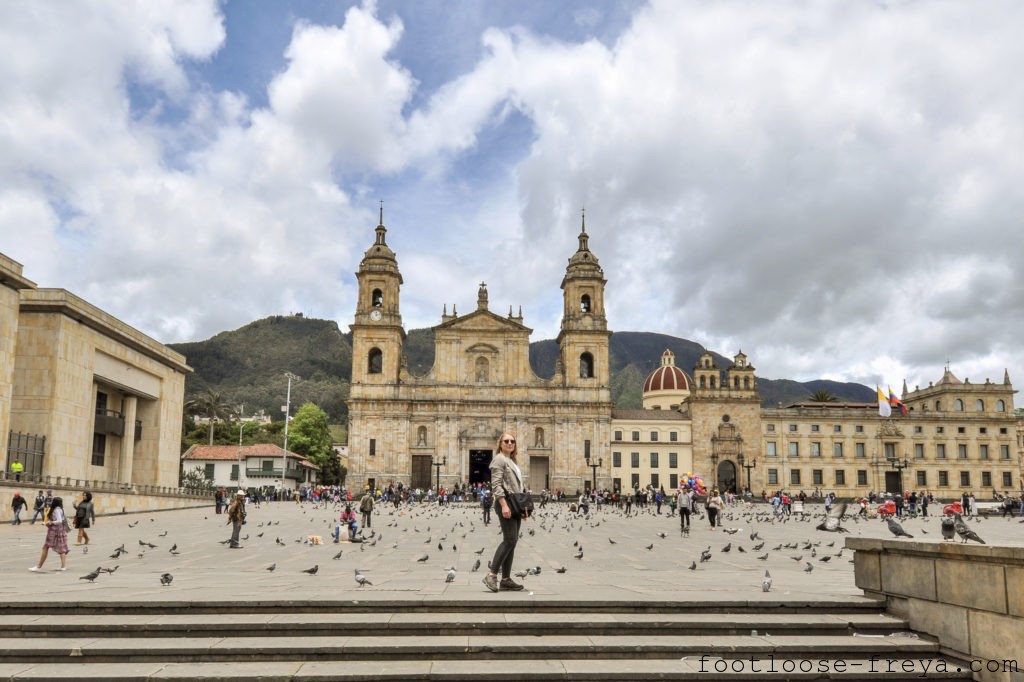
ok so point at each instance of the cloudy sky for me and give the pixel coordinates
(834, 188)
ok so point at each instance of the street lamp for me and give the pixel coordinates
(593, 470)
(241, 425)
(898, 466)
(287, 408)
(437, 467)
(748, 467)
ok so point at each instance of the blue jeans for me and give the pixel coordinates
(353, 528)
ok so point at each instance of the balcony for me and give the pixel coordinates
(294, 473)
(109, 422)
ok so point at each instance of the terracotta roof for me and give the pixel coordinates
(230, 452)
(668, 377)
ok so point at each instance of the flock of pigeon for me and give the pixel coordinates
(443, 528)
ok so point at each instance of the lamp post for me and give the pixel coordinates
(287, 408)
(437, 467)
(898, 466)
(748, 467)
(593, 470)
(241, 425)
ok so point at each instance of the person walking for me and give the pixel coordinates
(56, 536)
(236, 517)
(85, 516)
(17, 504)
(506, 479)
(39, 508)
(714, 505)
(685, 501)
(486, 501)
(366, 507)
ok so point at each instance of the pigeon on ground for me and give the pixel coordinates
(476, 566)
(166, 579)
(948, 528)
(108, 570)
(560, 570)
(91, 577)
(727, 547)
(808, 568)
(705, 555)
(362, 579)
(693, 565)
(831, 522)
(423, 558)
(312, 571)
(271, 568)
(763, 557)
(896, 529)
(766, 584)
(966, 533)
(480, 551)
(338, 555)
(450, 578)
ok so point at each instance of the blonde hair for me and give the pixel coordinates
(514, 455)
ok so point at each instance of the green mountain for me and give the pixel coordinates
(248, 365)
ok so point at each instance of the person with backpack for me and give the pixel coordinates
(366, 507)
(39, 507)
(85, 516)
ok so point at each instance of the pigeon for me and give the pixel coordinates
(480, 551)
(763, 557)
(705, 555)
(610, 541)
(362, 579)
(166, 579)
(966, 533)
(476, 566)
(579, 555)
(450, 578)
(91, 577)
(108, 570)
(174, 549)
(562, 569)
(693, 565)
(808, 568)
(948, 528)
(661, 535)
(895, 528)
(271, 568)
(831, 522)
(312, 571)
(423, 558)
(338, 555)
(164, 534)
(826, 558)
(727, 547)
(650, 547)
(766, 583)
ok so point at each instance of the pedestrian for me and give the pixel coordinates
(85, 516)
(218, 500)
(236, 517)
(714, 504)
(17, 504)
(56, 535)
(486, 501)
(39, 507)
(366, 507)
(924, 504)
(685, 500)
(506, 479)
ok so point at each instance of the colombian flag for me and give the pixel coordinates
(884, 408)
(896, 402)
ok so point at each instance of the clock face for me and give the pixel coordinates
(375, 315)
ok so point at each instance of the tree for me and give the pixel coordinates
(309, 435)
(822, 396)
(196, 479)
(209, 404)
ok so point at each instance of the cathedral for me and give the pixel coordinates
(441, 428)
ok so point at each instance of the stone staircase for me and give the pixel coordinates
(507, 637)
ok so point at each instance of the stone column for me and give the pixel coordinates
(128, 440)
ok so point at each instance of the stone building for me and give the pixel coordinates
(442, 427)
(84, 398)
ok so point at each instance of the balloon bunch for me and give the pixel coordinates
(694, 481)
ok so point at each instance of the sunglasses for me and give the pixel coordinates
(509, 441)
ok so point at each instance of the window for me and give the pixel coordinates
(943, 479)
(770, 449)
(858, 428)
(267, 465)
(586, 449)
(616, 459)
(840, 477)
(922, 478)
(794, 449)
(773, 477)
(1002, 430)
(965, 478)
(983, 430)
(817, 478)
(1000, 406)
(654, 460)
(837, 450)
(837, 428)
(979, 405)
(673, 461)
(918, 429)
(815, 449)
(208, 471)
(654, 436)
(940, 451)
(375, 361)
(673, 437)
(585, 303)
(859, 450)
(770, 427)
(794, 477)
(939, 429)
(1004, 452)
(961, 451)
(586, 366)
(961, 429)
(634, 480)
(483, 370)
(862, 476)
(986, 479)
(618, 435)
(815, 428)
(654, 481)
(792, 427)
(1007, 479)
(983, 451)
(377, 298)
(634, 460)
(918, 450)
(958, 405)
(234, 472)
(673, 481)
(636, 436)
(890, 450)
(99, 449)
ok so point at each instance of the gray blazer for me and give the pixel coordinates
(503, 477)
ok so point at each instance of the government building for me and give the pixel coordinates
(441, 428)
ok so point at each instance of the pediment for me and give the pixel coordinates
(482, 320)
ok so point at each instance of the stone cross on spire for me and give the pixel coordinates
(481, 297)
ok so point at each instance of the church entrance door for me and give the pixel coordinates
(538, 474)
(479, 466)
(726, 477)
(420, 472)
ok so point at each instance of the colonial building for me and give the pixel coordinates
(443, 426)
(85, 399)
(261, 465)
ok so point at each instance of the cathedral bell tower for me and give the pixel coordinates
(583, 338)
(377, 333)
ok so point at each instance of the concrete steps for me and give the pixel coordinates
(507, 638)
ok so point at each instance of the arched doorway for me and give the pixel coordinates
(726, 480)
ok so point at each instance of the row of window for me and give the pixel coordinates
(860, 450)
(979, 405)
(859, 428)
(673, 436)
(482, 374)
(655, 481)
(921, 478)
(634, 460)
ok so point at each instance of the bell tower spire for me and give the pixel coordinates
(584, 334)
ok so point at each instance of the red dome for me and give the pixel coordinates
(668, 378)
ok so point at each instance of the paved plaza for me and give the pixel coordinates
(624, 558)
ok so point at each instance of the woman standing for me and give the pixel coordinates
(506, 479)
(85, 516)
(715, 504)
(56, 535)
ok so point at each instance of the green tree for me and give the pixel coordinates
(195, 479)
(209, 404)
(310, 435)
(822, 396)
